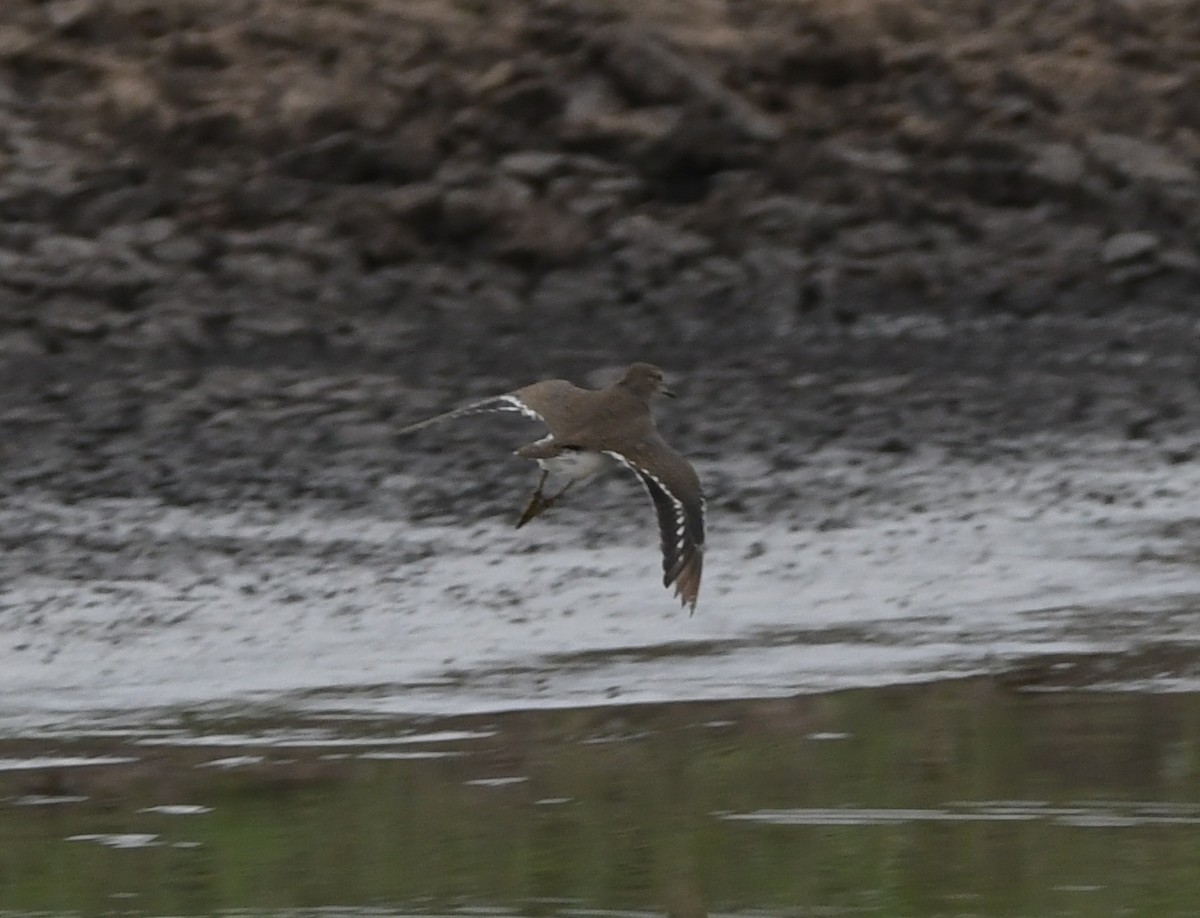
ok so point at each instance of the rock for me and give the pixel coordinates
(595, 115)
(777, 280)
(590, 198)
(134, 99)
(419, 201)
(1136, 159)
(273, 322)
(1058, 164)
(1029, 297)
(271, 197)
(540, 235)
(63, 252)
(1131, 272)
(119, 278)
(181, 250)
(468, 212)
(206, 51)
(564, 290)
(1180, 260)
(65, 15)
(530, 100)
(804, 220)
(356, 429)
(885, 162)
(878, 238)
(12, 263)
(142, 234)
(458, 172)
(895, 444)
(499, 74)
(352, 156)
(643, 125)
(876, 387)
(74, 318)
(111, 408)
(127, 204)
(696, 289)
(289, 237)
(159, 333)
(536, 165)
(651, 72)
(1128, 246)
(621, 186)
(100, 271)
(645, 232)
(15, 41)
(284, 273)
(20, 342)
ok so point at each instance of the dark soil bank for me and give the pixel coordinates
(204, 204)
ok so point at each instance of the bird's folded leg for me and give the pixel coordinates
(539, 504)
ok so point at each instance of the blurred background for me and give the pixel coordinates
(578, 180)
(925, 276)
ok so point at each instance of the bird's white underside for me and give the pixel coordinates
(575, 465)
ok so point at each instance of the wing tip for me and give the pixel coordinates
(687, 582)
(506, 402)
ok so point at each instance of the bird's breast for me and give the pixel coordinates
(575, 464)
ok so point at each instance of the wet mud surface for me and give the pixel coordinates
(386, 576)
(926, 277)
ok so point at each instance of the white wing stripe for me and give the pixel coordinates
(515, 404)
(676, 503)
(506, 403)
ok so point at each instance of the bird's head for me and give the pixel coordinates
(646, 381)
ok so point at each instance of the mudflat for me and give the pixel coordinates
(926, 276)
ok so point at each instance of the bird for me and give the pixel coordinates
(589, 430)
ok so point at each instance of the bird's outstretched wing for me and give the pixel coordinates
(508, 402)
(678, 499)
(546, 401)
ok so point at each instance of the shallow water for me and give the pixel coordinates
(272, 709)
(955, 798)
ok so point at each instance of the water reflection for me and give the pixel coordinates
(953, 799)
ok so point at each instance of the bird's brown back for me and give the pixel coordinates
(587, 417)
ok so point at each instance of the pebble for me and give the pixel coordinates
(1138, 159)
(1128, 246)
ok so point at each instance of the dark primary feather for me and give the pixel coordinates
(678, 500)
(683, 554)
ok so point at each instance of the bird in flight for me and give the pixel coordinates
(590, 428)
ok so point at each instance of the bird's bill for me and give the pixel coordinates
(668, 393)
